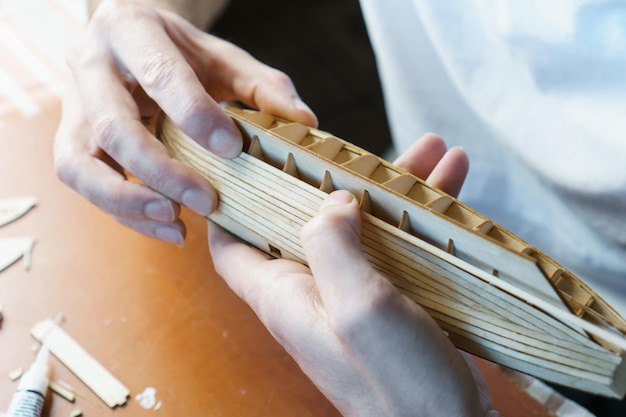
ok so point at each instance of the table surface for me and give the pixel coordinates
(154, 314)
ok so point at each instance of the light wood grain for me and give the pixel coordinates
(79, 361)
(496, 295)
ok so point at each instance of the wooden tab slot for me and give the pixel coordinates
(327, 148)
(574, 290)
(364, 164)
(345, 155)
(384, 173)
(528, 250)
(293, 132)
(255, 149)
(450, 247)
(365, 202)
(265, 120)
(441, 204)
(274, 251)
(506, 239)
(401, 184)
(484, 227)
(290, 166)
(550, 269)
(309, 140)
(421, 193)
(556, 276)
(327, 183)
(469, 218)
(405, 223)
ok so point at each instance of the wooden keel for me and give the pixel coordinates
(496, 296)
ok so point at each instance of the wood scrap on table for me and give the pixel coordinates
(496, 296)
(63, 390)
(108, 388)
(12, 209)
(13, 249)
(16, 374)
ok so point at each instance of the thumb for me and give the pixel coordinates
(332, 246)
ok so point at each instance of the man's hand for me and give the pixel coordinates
(369, 349)
(131, 61)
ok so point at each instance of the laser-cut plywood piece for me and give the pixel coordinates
(14, 248)
(62, 390)
(81, 363)
(497, 297)
(12, 209)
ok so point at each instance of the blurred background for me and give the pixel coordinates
(323, 46)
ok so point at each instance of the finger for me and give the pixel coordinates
(347, 284)
(370, 316)
(257, 279)
(77, 166)
(428, 159)
(116, 126)
(282, 294)
(170, 232)
(275, 93)
(144, 48)
(449, 174)
(422, 157)
(237, 75)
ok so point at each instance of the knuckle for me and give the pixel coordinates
(352, 321)
(64, 169)
(279, 77)
(81, 54)
(115, 203)
(316, 231)
(157, 179)
(106, 130)
(157, 71)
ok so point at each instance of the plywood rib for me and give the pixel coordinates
(478, 280)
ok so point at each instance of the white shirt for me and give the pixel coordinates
(535, 91)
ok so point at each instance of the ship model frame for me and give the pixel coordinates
(496, 296)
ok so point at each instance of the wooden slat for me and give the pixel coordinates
(507, 318)
(79, 361)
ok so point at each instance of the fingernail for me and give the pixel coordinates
(160, 210)
(169, 234)
(337, 198)
(199, 201)
(224, 143)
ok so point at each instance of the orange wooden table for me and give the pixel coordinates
(155, 315)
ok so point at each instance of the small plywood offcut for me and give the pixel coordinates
(12, 209)
(63, 390)
(16, 374)
(81, 363)
(14, 248)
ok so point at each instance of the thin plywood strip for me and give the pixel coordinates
(81, 363)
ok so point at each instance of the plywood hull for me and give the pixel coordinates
(496, 296)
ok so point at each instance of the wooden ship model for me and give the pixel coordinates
(496, 296)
